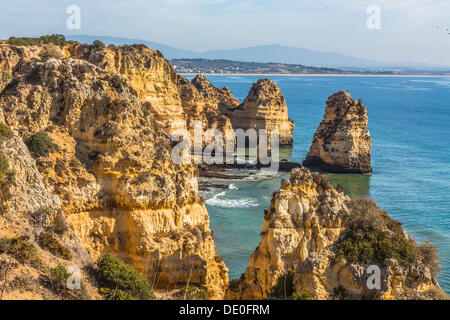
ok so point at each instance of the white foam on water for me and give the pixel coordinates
(219, 201)
(233, 187)
(263, 175)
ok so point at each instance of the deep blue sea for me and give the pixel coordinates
(409, 121)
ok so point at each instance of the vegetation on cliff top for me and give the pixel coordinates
(120, 281)
(56, 39)
(98, 44)
(371, 236)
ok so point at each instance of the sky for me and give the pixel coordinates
(410, 30)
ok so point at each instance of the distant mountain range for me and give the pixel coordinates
(269, 53)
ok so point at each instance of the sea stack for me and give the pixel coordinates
(264, 108)
(318, 243)
(201, 101)
(342, 142)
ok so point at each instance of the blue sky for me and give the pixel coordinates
(408, 27)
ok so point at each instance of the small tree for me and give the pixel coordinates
(98, 44)
(120, 281)
(40, 144)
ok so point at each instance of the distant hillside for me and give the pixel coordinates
(222, 66)
(273, 54)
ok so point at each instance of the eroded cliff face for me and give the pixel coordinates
(342, 141)
(28, 210)
(302, 234)
(152, 76)
(201, 102)
(264, 108)
(118, 188)
(305, 216)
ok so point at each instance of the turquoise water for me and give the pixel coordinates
(409, 120)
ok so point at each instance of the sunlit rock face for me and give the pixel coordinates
(201, 102)
(342, 142)
(111, 170)
(151, 76)
(302, 228)
(264, 108)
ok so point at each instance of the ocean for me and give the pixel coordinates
(409, 121)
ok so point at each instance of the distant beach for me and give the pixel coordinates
(318, 75)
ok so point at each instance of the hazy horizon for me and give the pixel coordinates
(412, 30)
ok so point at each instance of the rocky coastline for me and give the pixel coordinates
(86, 162)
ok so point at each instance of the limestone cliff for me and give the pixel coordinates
(111, 169)
(152, 76)
(314, 241)
(201, 102)
(264, 108)
(342, 142)
(29, 210)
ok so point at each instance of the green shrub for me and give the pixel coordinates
(284, 288)
(40, 145)
(139, 46)
(56, 39)
(302, 296)
(49, 242)
(120, 281)
(371, 236)
(22, 250)
(126, 48)
(21, 283)
(98, 44)
(5, 131)
(58, 277)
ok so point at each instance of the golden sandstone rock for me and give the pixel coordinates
(110, 185)
(264, 108)
(201, 102)
(342, 142)
(152, 76)
(112, 170)
(306, 220)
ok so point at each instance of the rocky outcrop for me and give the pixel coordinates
(152, 76)
(201, 102)
(9, 58)
(29, 210)
(307, 234)
(302, 218)
(264, 108)
(111, 170)
(342, 143)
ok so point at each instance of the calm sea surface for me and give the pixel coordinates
(409, 121)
